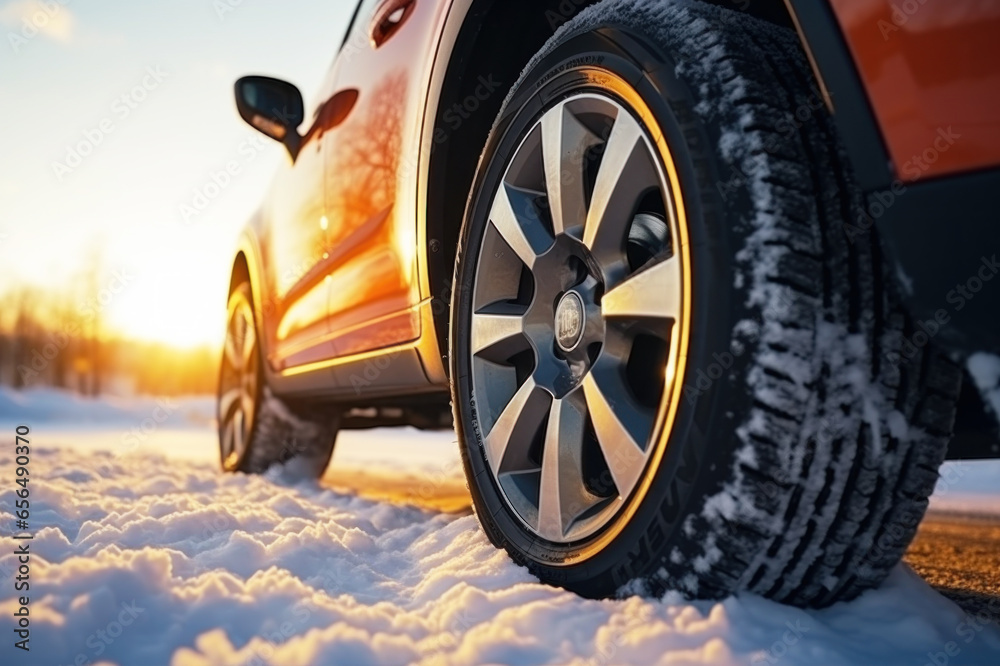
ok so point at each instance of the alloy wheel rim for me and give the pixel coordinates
(576, 318)
(237, 384)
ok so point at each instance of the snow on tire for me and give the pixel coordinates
(258, 429)
(300, 438)
(806, 444)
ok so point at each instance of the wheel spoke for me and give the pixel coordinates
(565, 141)
(582, 209)
(621, 179)
(227, 401)
(238, 431)
(653, 292)
(517, 221)
(249, 343)
(246, 405)
(508, 440)
(563, 495)
(233, 355)
(622, 428)
(497, 332)
(238, 382)
(227, 438)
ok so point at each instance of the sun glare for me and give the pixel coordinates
(177, 308)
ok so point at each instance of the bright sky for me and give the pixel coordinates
(149, 85)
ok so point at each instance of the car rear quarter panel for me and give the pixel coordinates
(931, 69)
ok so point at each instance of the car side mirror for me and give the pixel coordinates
(272, 107)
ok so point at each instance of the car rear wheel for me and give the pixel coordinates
(256, 428)
(670, 367)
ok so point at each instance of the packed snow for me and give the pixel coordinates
(150, 555)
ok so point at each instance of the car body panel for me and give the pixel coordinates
(340, 262)
(339, 296)
(372, 280)
(929, 68)
(377, 295)
(293, 242)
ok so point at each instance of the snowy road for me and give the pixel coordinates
(144, 554)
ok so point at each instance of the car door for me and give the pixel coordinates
(373, 284)
(295, 299)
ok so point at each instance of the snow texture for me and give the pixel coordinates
(57, 408)
(144, 560)
(157, 558)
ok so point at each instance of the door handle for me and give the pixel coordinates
(389, 18)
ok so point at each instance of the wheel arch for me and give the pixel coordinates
(247, 267)
(476, 45)
(240, 272)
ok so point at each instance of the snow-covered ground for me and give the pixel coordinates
(145, 554)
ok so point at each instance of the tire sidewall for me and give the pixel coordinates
(243, 292)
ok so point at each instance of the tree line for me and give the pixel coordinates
(48, 339)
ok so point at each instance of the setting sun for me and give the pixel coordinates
(179, 308)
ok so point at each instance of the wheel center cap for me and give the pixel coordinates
(570, 321)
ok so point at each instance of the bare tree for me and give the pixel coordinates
(91, 308)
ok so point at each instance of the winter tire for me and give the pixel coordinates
(671, 367)
(256, 428)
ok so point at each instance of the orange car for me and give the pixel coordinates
(697, 283)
